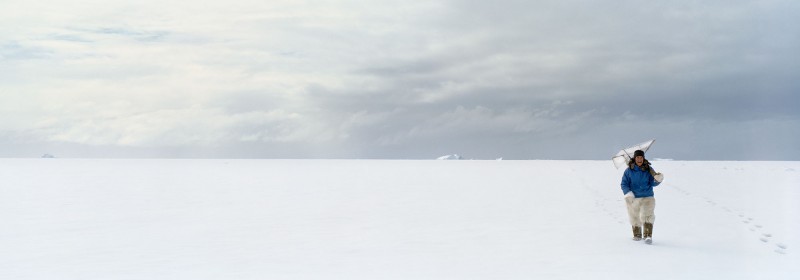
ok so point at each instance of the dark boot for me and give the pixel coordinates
(637, 233)
(648, 233)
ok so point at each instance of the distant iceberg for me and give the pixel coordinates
(450, 157)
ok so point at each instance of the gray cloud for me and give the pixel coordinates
(512, 79)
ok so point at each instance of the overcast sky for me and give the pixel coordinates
(710, 80)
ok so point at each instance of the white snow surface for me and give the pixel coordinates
(385, 219)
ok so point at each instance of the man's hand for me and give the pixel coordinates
(659, 177)
(629, 197)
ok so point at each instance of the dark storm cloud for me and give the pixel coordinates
(713, 65)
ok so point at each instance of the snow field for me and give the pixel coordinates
(376, 219)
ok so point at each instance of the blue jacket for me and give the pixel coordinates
(638, 181)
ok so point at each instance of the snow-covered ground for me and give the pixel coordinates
(373, 219)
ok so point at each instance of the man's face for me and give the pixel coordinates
(639, 160)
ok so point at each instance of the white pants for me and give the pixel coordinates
(641, 210)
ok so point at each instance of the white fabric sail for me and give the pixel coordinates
(624, 156)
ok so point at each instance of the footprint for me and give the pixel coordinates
(782, 246)
(758, 226)
(764, 239)
(767, 235)
(779, 251)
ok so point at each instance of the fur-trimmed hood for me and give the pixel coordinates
(645, 165)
